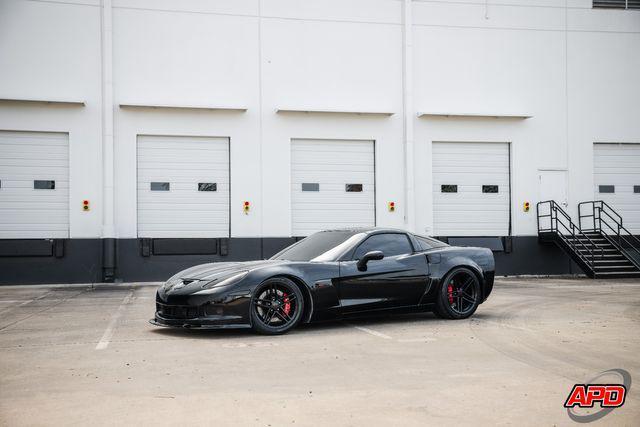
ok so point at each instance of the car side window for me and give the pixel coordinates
(391, 244)
(429, 243)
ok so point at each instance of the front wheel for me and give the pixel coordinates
(459, 295)
(276, 306)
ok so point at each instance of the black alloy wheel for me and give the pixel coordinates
(276, 306)
(459, 295)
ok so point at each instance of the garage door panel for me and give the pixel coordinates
(183, 162)
(196, 163)
(488, 216)
(334, 182)
(309, 211)
(180, 188)
(178, 200)
(469, 166)
(619, 165)
(20, 155)
(331, 164)
(26, 212)
(337, 146)
(29, 216)
(43, 163)
(329, 199)
(164, 217)
(329, 168)
(462, 210)
(330, 160)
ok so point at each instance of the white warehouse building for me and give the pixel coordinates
(139, 137)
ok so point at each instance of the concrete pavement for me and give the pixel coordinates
(87, 355)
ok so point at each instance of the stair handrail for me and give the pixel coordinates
(571, 228)
(600, 207)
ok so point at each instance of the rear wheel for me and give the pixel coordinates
(276, 306)
(459, 295)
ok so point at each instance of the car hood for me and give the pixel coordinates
(217, 270)
(194, 278)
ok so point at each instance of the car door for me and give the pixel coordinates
(397, 280)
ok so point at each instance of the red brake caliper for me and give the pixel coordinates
(450, 292)
(287, 304)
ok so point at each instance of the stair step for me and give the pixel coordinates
(598, 254)
(617, 274)
(616, 267)
(606, 262)
(584, 239)
(588, 242)
(594, 248)
(607, 249)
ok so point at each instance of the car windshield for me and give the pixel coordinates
(322, 246)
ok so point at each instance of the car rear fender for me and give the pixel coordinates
(449, 264)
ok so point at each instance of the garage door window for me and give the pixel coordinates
(44, 185)
(390, 245)
(353, 188)
(310, 186)
(207, 186)
(606, 188)
(448, 188)
(636, 189)
(160, 186)
(489, 188)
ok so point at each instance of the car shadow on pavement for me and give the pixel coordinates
(338, 325)
(203, 333)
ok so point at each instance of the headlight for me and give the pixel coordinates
(210, 287)
(171, 282)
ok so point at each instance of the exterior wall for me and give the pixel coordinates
(52, 51)
(572, 68)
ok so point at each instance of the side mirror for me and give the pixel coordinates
(369, 256)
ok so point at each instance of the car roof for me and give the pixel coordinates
(369, 230)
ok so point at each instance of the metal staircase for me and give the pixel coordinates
(599, 219)
(603, 249)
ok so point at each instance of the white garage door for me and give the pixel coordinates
(183, 186)
(617, 180)
(34, 185)
(470, 189)
(332, 185)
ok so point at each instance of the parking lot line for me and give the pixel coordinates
(58, 302)
(372, 332)
(108, 333)
(413, 340)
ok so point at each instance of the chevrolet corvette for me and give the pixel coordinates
(330, 275)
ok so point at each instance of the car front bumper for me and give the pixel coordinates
(221, 312)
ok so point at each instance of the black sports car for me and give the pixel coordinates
(330, 274)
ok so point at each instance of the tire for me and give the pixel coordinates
(277, 305)
(459, 294)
